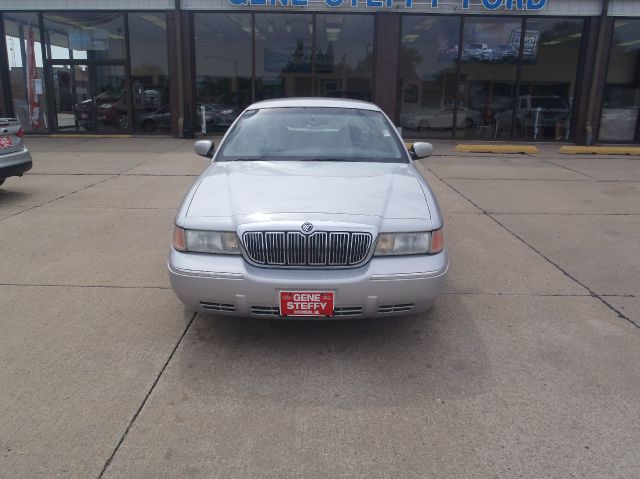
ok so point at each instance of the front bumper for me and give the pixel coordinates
(385, 286)
(15, 164)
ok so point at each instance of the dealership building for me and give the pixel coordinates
(530, 70)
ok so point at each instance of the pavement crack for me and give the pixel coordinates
(519, 179)
(569, 169)
(123, 436)
(60, 197)
(102, 286)
(537, 295)
(592, 293)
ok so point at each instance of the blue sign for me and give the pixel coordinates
(487, 4)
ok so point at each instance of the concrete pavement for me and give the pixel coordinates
(526, 367)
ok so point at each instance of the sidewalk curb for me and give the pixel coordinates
(490, 148)
(600, 150)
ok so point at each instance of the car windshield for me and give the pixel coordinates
(551, 103)
(313, 134)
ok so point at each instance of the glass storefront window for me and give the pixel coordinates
(428, 58)
(149, 72)
(283, 55)
(24, 51)
(547, 85)
(621, 103)
(85, 36)
(344, 54)
(223, 67)
(488, 76)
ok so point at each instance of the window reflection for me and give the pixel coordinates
(78, 36)
(428, 57)
(344, 51)
(283, 55)
(223, 67)
(548, 79)
(621, 103)
(488, 77)
(24, 52)
(149, 71)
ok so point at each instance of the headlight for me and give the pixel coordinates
(213, 242)
(226, 112)
(105, 106)
(398, 244)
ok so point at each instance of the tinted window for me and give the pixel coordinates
(79, 36)
(223, 67)
(621, 102)
(283, 55)
(22, 36)
(428, 56)
(549, 71)
(313, 134)
(487, 77)
(149, 69)
(344, 52)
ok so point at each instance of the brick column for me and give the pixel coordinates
(387, 55)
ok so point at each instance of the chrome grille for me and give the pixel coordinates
(228, 308)
(395, 308)
(292, 248)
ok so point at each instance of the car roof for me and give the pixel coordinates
(311, 102)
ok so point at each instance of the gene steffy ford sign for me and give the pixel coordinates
(487, 4)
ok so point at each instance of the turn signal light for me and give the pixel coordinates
(437, 241)
(178, 242)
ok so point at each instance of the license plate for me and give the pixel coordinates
(6, 141)
(306, 303)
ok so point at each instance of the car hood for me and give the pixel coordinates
(255, 188)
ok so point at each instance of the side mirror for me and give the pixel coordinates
(204, 148)
(422, 149)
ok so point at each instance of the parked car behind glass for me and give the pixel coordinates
(548, 110)
(424, 119)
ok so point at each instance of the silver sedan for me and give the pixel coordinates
(311, 208)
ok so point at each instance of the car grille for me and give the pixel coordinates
(291, 248)
(395, 308)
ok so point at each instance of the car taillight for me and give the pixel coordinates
(20, 133)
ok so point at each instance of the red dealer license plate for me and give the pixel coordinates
(6, 141)
(306, 303)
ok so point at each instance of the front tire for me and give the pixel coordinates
(2, 181)
(424, 126)
(468, 123)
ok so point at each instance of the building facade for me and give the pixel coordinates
(535, 70)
